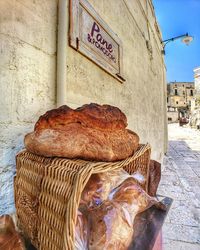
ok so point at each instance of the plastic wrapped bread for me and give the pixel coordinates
(100, 185)
(110, 222)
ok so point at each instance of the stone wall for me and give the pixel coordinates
(195, 117)
(180, 94)
(28, 31)
(142, 96)
(172, 116)
(197, 81)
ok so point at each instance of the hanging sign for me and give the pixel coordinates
(92, 37)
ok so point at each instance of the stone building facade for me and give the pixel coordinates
(179, 99)
(195, 118)
(197, 83)
(39, 70)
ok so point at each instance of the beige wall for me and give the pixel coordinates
(141, 96)
(28, 33)
(27, 75)
(197, 81)
(172, 116)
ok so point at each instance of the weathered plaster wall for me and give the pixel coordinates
(195, 117)
(173, 115)
(28, 30)
(197, 81)
(142, 97)
(180, 94)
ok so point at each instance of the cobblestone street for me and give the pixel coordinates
(181, 181)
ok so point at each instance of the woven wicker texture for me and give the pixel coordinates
(48, 191)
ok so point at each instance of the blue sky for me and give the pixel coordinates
(177, 17)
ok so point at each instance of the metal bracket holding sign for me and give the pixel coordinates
(93, 38)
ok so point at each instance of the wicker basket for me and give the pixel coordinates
(48, 191)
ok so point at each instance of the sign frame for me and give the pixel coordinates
(76, 41)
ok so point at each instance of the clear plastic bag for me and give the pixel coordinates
(111, 225)
(111, 201)
(129, 194)
(100, 185)
(81, 232)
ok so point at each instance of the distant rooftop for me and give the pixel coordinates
(180, 82)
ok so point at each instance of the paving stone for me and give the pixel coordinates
(186, 172)
(175, 191)
(197, 155)
(194, 157)
(197, 171)
(167, 179)
(179, 161)
(181, 233)
(194, 182)
(179, 245)
(195, 164)
(195, 198)
(181, 165)
(183, 214)
(190, 159)
(181, 181)
(7, 190)
(186, 185)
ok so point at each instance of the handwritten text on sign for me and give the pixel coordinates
(96, 38)
(92, 37)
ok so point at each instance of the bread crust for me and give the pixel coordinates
(93, 115)
(91, 132)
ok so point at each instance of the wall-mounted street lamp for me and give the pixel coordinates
(186, 39)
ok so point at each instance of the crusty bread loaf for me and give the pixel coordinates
(92, 115)
(91, 132)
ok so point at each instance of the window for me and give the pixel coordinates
(167, 99)
(191, 92)
(176, 92)
(176, 102)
